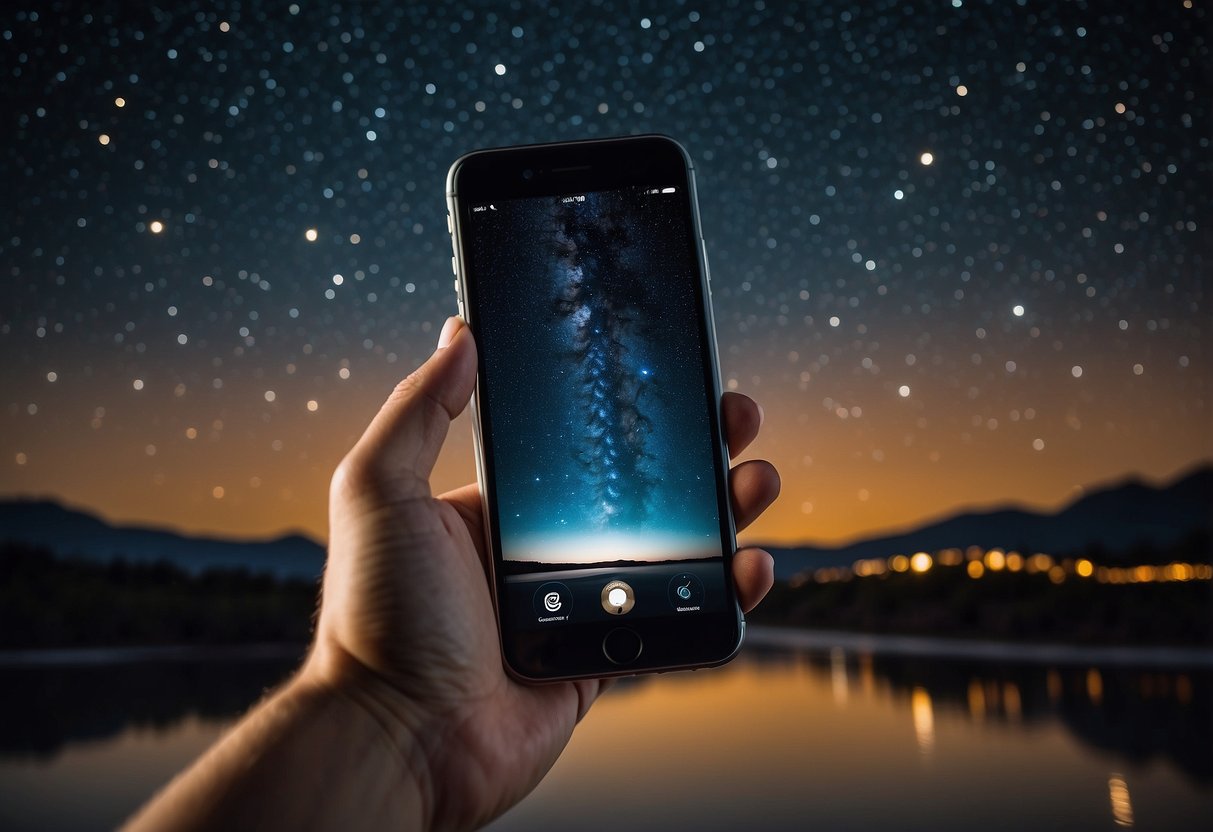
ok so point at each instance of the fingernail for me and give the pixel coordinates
(448, 332)
(762, 415)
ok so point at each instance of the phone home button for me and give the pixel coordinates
(622, 646)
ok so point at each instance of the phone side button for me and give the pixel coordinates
(454, 266)
(622, 646)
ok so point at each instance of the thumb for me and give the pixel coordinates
(402, 442)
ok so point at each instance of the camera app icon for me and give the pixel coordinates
(553, 603)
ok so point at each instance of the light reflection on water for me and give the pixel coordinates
(780, 739)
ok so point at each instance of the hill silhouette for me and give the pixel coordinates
(72, 533)
(1119, 521)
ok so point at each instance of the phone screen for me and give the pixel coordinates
(596, 386)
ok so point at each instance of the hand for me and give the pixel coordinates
(406, 625)
(402, 716)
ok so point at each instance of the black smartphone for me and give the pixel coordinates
(581, 270)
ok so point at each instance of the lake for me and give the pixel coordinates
(829, 732)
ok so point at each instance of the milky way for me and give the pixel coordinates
(960, 249)
(595, 386)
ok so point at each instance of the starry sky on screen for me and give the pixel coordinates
(960, 249)
(587, 310)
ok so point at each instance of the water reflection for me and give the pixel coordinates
(1122, 807)
(781, 735)
(1138, 713)
(838, 675)
(63, 705)
(924, 719)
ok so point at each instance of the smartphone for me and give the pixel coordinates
(581, 270)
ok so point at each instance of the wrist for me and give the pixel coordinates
(373, 719)
(315, 754)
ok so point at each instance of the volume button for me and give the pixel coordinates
(454, 267)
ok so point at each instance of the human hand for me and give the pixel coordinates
(406, 628)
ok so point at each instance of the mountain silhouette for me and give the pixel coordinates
(1117, 520)
(72, 533)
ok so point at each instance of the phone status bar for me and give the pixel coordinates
(571, 198)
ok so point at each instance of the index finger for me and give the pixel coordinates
(742, 419)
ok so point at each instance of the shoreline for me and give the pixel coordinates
(762, 637)
(101, 656)
(987, 650)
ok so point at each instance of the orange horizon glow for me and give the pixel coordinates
(254, 459)
(212, 485)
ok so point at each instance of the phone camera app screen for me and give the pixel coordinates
(603, 454)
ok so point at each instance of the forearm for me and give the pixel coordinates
(309, 757)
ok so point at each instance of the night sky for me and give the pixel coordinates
(959, 249)
(595, 384)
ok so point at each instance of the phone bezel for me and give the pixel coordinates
(671, 642)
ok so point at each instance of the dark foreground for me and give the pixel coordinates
(847, 735)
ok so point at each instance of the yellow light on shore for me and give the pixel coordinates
(978, 563)
(155, 226)
(1040, 562)
(949, 557)
(869, 567)
(1179, 572)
